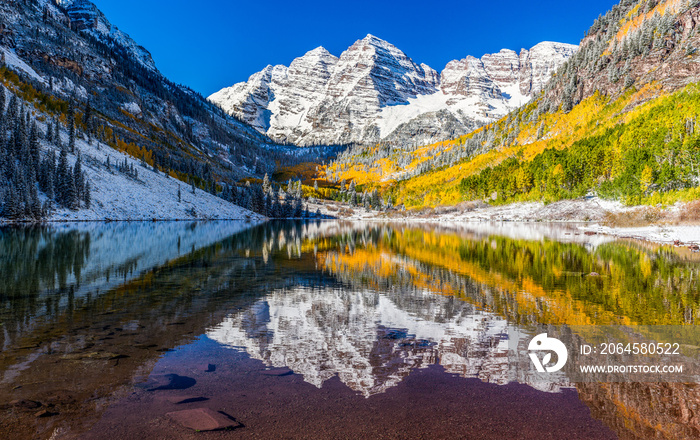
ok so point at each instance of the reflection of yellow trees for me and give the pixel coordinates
(530, 281)
(644, 410)
(361, 260)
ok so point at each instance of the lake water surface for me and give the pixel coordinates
(327, 330)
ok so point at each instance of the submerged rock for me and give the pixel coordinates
(203, 419)
(44, 413)
(207, 368)
(25, 404)
(169, 382)
(277, 372)
(181, 399)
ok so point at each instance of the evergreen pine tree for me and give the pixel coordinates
(57, 134)
(49, 132)
(298, 208)
(268, 206)
(259, 196)
(251, 201)
(34, 146)
(71, 191)
(62, 178)
(87, 120)
(49, 184)
(352, 194)
(276, 207)
(26, 206)
(376, 204)
(36, 204)
(11, 204)
(78, 178)
(71, 128)
(86, 195)
(46, 209)
(266, 184)
(12, 108)
(2, 101)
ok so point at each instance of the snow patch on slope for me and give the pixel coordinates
(117, 196)
(15, 63)
(473, 107)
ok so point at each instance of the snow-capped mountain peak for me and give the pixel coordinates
(373, 91)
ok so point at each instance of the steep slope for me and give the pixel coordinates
(75, 54)
(374, 88)
(84, 16)
(636, 43)
(129, 141)
(618, 119)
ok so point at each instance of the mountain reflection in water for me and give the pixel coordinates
(366, 339)
(369, 304)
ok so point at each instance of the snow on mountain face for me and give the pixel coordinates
(538, 64)
(375, 92)
(85, 16)
(299, 90)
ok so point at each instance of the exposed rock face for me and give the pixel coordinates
(85, 16)
(257, 93)
(375, 92)
(71, 48)
(301, 88)
(468, 77)
(538, 64)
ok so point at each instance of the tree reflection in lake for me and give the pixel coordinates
(371, 304)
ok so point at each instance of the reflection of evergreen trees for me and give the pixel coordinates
(525, 281)
(38, 260)
(41, 268)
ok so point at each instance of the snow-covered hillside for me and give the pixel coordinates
(151, 195)
(374, 91)
(69, 52)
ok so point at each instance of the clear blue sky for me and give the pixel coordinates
(210, 44)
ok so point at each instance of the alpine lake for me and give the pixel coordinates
(327, 329)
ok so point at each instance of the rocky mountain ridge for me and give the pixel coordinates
(374, 92)
(68, 50)
(86, 17)
(637, 43)
(87, 92)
